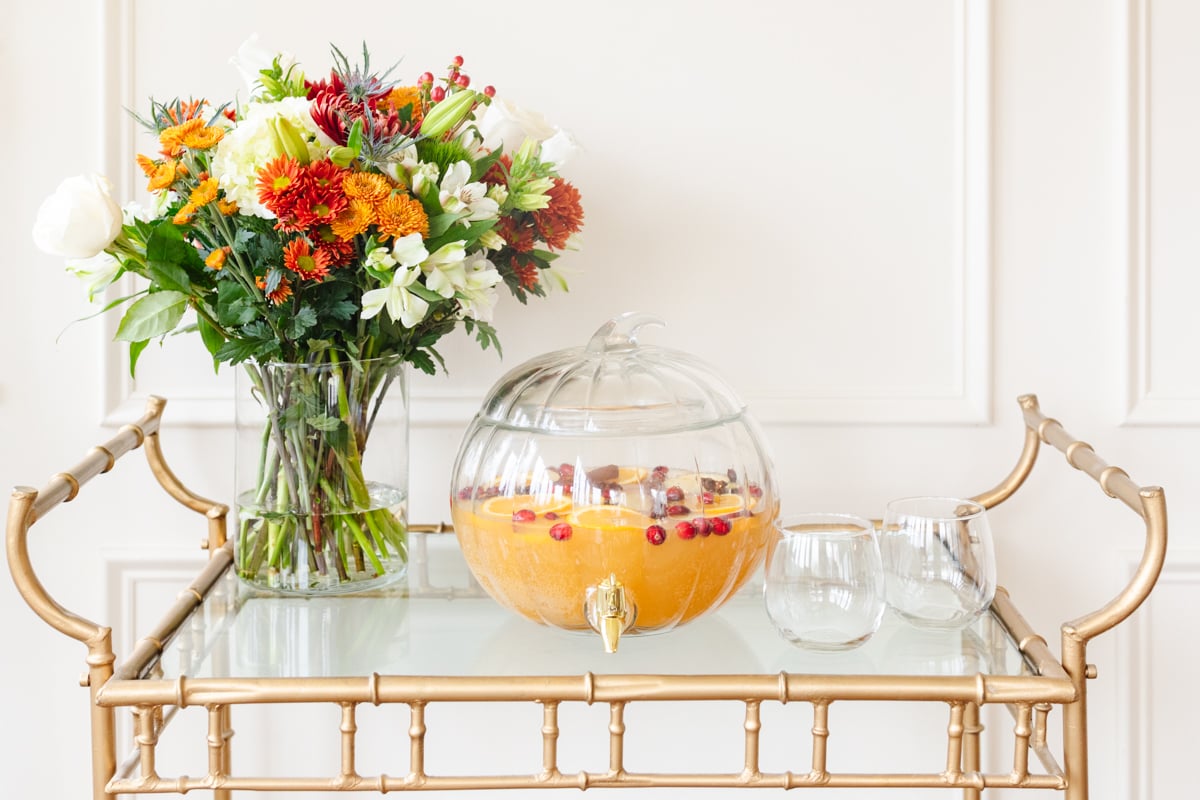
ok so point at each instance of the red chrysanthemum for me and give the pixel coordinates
(318, 201)
(518, 235)
(279, 183)
(330, 111)
(497, 173)
(526, 272)
(563, 217)
(300, 258)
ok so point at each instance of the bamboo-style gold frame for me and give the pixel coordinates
(1031, 698)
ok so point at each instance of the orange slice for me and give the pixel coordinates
(722, 504)
(628, 475)
(610, 518)
(502, 506)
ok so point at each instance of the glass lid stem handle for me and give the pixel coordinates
(620, 332)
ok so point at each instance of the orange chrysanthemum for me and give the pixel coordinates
(172, 138)
(185, 214)
(216, 259)
(340, 252)
(399, 215)
(403, 96)
(369, 186)
(147, 164)
(163, 176)
(563, 217)
(203, 138)
(357, 217)
(227, 207)
(282, 292)
(300, 258)
(204, 194)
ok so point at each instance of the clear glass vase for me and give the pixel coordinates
(322, 475)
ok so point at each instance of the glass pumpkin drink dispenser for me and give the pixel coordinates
(618, 487)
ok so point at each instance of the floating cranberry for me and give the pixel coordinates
(656, 534)
(524, 515)
(550, 515)
(731, 473)
(560, 532)
(678, 511)
(674, 494)
(685, 530)
(566, 471)
(756, 490)
(707, 498)
(661, 469)
(721, 526)
(703, 526)
(465, 493)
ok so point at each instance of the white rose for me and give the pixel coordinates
(559, 149)
(505, 125)
(79, 220)
(252, 58)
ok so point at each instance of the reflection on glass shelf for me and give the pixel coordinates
(440, 624)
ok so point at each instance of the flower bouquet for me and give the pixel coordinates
(325, 234)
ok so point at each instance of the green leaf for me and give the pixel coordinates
(424, 292)
(135, 350)
(304, 319)
(153, 315)
(166, 244)
(440, 223)
(323, 422)
(213, 339)
(544, 255)
(234, 305)
(169, 276)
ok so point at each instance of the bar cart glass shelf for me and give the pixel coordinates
(202, 654)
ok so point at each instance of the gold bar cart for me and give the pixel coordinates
(1019, 670)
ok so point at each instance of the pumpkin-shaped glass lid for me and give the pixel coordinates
(614, 385)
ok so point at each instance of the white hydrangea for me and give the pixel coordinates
(251, 144)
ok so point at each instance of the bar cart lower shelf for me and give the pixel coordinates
(202, 655)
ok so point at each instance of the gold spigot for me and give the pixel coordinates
(610, 612)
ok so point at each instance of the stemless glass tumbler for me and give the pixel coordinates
(824, 581)
(938, 560)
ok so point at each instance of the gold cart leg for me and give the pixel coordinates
(971, 756)
(1075, 755)
(104, 733)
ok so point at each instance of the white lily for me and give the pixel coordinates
(458, 194)
(478, 295)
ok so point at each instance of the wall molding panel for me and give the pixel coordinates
(1144, 405)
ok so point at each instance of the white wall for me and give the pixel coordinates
(883, 220)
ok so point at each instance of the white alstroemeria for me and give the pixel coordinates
(402, 305)
(161, 202)
(555, 276)
(458, 194)
(133, 211)
(96, 272)
(444, 272)
(498, 192)
(421, 175)
(479, 295)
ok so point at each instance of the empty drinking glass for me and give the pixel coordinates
(824, 581)
(938, 560)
